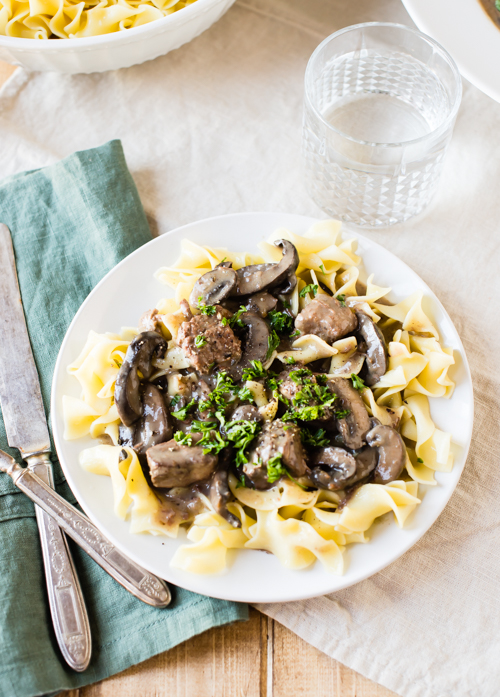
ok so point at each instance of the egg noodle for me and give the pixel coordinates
(298, 526)
(67, 19)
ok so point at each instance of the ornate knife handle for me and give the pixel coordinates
(136, 580)
(67, 607)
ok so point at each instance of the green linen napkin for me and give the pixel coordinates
(71, 223)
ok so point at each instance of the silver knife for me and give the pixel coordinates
(141, 583)
(26, 427)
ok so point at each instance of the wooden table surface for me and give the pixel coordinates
(259, 658)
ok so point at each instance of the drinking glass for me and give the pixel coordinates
(380, 105)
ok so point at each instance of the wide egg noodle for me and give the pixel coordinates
(403, 367)
(212, 537)
(433, 446)
(96, 369)
(294, 542)
(306, 349)
(63, 19)
(371, 501)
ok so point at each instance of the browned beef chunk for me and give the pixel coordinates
(150, 322)
(172, 464)
(217, 344)
(276, 438)
(327, 318)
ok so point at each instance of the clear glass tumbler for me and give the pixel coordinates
(380, 105)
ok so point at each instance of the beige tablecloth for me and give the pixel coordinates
(215, 128)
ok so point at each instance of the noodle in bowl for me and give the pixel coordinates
(115, 50)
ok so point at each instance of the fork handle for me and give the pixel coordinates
(134, 578)
(67, 607)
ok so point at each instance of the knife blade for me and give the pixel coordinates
(26, 426)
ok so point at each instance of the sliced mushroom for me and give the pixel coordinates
(261, 303)
(366, 461)
(331, 467)
(220, 495)
(256, 345)
(138, 359)
(126, 435)
(155, 425)
(257, 277)
(376, 350)
(391, 453)
(214, 286)
(353, 427)
(172, 464)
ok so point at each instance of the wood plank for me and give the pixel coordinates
(224, 662)
(300, 670)
(6, 71)
(258, 659)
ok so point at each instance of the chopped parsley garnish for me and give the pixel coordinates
(241, 482)
(200, 341)
(341, 299)
(273, 342)
(175, 400)
(208, 310)
(281, 322)
(276, 469)
(318, 439)
(297, 375)
(212, 442)
(273, 383)
(183, 438)
(312, 289)
(311, 400)
(235, 320)
(256, 371)
(224, 392)
(294, 334)
(322, 268)
(342, 413)
(420, 461)
(182, 414)
(357, 382)
(290, 360)
(241, 434)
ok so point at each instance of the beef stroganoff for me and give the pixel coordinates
(278, 402)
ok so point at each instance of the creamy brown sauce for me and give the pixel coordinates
(492, 12)
(181, 504)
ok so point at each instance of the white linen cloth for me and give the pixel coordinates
(215, 127)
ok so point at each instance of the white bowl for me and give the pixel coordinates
(118, 50)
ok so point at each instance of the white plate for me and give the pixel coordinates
(467, 33)
(119, 300)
